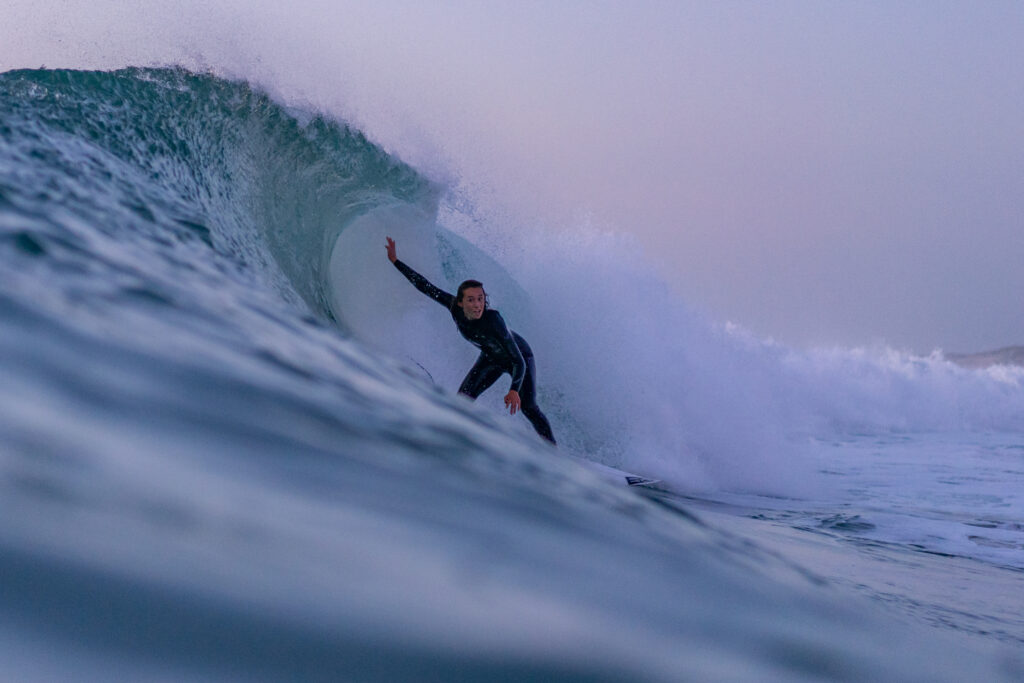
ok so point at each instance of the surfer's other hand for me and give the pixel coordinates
(512, 401)
(390, 246)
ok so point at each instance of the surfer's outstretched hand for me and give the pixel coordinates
(390, 246)
(512, 401)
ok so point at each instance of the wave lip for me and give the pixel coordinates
(269, 186)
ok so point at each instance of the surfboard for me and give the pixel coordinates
(615, 475)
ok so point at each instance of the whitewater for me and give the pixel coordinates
(231, 449)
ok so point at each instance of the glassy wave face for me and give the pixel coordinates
(206, 472)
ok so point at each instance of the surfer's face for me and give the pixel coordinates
(473, 302)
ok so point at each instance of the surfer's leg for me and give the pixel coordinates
(528, 403)
(480, 377)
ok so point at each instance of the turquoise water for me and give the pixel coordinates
(230, 450)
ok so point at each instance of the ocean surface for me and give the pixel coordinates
(230, 447)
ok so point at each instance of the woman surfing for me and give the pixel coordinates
(501, 350)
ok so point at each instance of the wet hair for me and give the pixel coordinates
(470, 284)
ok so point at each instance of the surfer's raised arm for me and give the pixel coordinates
(418, 281)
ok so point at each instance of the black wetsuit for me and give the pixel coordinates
(501, 351)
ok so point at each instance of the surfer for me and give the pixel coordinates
(501, 350)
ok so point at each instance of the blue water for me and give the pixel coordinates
(230, 449)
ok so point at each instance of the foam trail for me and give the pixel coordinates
(637, 379)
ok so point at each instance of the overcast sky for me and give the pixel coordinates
(818, 172)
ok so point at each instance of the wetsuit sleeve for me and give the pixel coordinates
(421, 283)
(500, 331)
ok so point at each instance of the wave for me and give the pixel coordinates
(189, 441)
(299, 204)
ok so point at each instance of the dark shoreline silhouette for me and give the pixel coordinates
(1010, 355)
